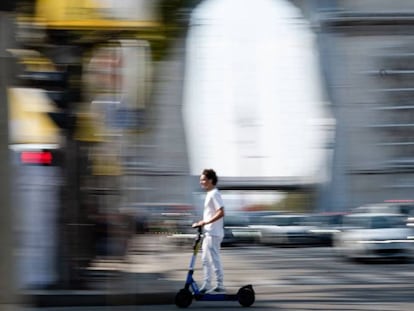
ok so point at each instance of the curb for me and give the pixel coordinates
(65, 299)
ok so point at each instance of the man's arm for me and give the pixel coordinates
(219, 214)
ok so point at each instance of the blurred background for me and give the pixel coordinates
(111, 109)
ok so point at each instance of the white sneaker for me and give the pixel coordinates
(217, 290)
(204, 288)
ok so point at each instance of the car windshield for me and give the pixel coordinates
(387, 222)
(318, 220)
(377, 222)
(235, 220)
(283, 220)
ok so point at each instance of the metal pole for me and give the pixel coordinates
(8, 293)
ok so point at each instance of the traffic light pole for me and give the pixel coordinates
(8, 293)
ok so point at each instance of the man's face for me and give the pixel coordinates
(205, 183)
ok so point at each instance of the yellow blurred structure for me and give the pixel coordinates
(136, 23)
(87, 129)
(86, 14)
(29, 122)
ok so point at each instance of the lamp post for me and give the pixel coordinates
(8, 295)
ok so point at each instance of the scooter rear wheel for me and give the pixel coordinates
(246, 296)
(183, 298)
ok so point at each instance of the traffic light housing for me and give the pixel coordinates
(55, 84)
(8, 5)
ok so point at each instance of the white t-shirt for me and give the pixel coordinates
(212, 203)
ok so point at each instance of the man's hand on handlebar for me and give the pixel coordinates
(200, 223)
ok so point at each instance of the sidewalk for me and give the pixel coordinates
(142, 278)
(155, 291)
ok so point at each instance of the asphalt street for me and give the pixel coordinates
(287, 278)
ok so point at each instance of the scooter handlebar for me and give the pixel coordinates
(198, 227)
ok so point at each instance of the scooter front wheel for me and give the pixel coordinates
(246, 296)
(183, 298)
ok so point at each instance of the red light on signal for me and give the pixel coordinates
(36, 157)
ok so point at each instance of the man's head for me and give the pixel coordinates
(208, 179)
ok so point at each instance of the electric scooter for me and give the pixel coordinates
(245, 295)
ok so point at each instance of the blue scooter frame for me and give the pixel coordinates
(245, 295)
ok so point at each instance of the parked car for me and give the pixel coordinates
(285, 230)
(387, 207)
(324, 226)
(238, 231)
(374, 236)
(256, 217)
(395, 207)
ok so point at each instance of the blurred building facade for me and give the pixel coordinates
(367, 59)
(366, 62)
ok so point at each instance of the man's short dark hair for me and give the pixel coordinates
(211, 175)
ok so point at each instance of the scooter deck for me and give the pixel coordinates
(216, 297)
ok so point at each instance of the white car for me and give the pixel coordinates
(375, 236)
(285, 229)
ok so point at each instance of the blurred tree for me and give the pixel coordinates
(175, 16)
(25, 7)
(296, 202)
(176, 13)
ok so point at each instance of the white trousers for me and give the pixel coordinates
(211, 260)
